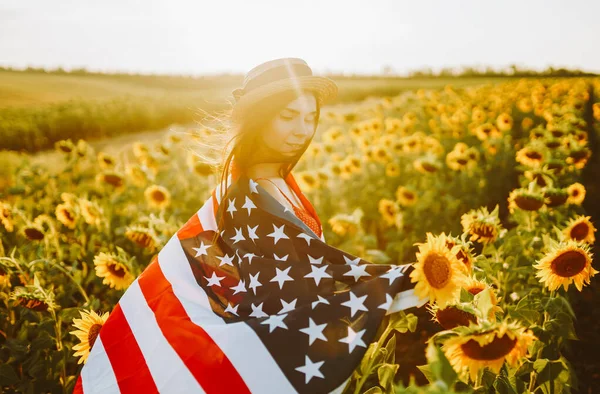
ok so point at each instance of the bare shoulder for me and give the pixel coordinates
(273, 191)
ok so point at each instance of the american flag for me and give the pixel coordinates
(268, 308)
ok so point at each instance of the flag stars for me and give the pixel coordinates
(201, 250)
(278, 233)
(314, 331)
(287, 306)
(252, 232)
(231, 309)
(284, 258)
(249, 205)
(239, 236)
(350, 261)
(388, 302)
(254, 283)
(392, 273)
(231, 208)
(252, 185)
(318, 273)
(282, 276)
(225, 260)
(312, 260)
(306, 237)
(257, 310)
(275, 321)
(310, 369)
(354, 339)
(355, 304)
(357, 271)
(250, 256)
(239, 288)
(214, 279)
(321, 300)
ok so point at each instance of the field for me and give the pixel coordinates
(488, 188)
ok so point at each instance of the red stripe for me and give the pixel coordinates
(203, 357)
(78, 389)
(126, 358)
(192, 228)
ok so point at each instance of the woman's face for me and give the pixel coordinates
(292, 129)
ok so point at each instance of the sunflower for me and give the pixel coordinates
(388, 210)
(65, 146)
(406, 196)
(426, 165)
(457, 161)
(140, 149)
(6, 217)
(504, 122)
(475, 287)
(142, 236)
(542, 176)
(66, 214)
(460, 314)
(464, 253)
(596, 111)
(33, 232)
(566, 262)
(92, 213)
(530, 156)
(486, 131)
(157, 196)
(88, 329)
(576, 193)
(343, 224)
(579, 157)
(526, 123)
(392, 170)
(555, 197)
(112, 178)
(438, 273)
(525, 200)
(106, 161)
(114, 270)
(46, 223)
(136, 174)
(32, 297)
(489, 345)
(308, 181)
(481, 225)
(580, 228)
(333, 134)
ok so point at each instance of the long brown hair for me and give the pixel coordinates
(229, 139)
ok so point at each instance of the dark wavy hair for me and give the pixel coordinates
(223, 139)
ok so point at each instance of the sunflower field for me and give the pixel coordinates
(483, 188)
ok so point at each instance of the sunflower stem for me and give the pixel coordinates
(367, 373)
(81, 290)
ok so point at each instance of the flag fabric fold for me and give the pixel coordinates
(269, 307)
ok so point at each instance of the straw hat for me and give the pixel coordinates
(278, 78)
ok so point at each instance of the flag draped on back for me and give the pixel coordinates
(267, 308)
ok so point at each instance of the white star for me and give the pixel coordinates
(306, 237)
(201, 250)
(278, 233)
(280, 278)
(231, 309)
(275, 321)
(388, 302)
(355, 303)
(249, 205)
(231, 208)
(239, 236)
(315, 261)
(357, 271)
(284, 258)
(252, 186)
(214, 279)
(314, 331)
(252, 232)
(321, 300)
(318, 273)
(257, 310)
(352, 262)
(240, 287)
(310, 369)
(222, 232)
(286, 209)
(392, 274)
(354, 339)
(287, 306)
(225, 260)
(254, 283)
(250, 256)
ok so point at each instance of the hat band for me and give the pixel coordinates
(278, 73)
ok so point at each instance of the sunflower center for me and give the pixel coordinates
(159, 196)
(437, 270)
(484, 230)
(114, 180)
(498, 348)
(452, 317)
(408, 195)
(116, 270)
(474, 290)
(34, 234)
(580, 231)
(462, 162)
(528, 203)
(569, 263)
(533, 155)
(429, 167)
(93, 334)
(68, 215)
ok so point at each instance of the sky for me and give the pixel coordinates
(342, 36)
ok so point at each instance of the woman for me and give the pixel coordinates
(247, 296)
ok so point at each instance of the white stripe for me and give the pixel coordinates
(237, 341)
(404, 300)
(206, 215)
(97, 375)
(168, 371)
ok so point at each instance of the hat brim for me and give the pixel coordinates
(325, 89)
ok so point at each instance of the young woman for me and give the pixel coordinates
(247, 296)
